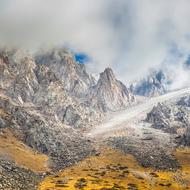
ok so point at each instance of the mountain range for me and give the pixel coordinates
(46, 99)
(47, 102)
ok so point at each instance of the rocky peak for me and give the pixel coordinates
(25, 81)
(156, 83)
(184, 101)
(107, 77)
(72, 74)
(17, 77)
(16, 57)
(110, 93)
(169, 117)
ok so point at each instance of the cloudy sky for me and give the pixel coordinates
(130, 36)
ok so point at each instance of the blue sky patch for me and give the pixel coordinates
(81, 58)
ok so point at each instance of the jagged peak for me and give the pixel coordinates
(62, 53)
(108, 71)
(16, 56)
(107, 76)
(55, 55)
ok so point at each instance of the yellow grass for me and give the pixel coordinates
(13, 149)
(113, 170)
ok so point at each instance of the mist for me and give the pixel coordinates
(130, 36)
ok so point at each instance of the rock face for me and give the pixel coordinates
(50, 87)
(153, 85)
(43, 133)
(172, 118)
(27, 82)
(73, 75)
(60, 87)
(17, 77)
(13, 177)
(47, 99)
(110, 93)
(185, 101)
(35, 105)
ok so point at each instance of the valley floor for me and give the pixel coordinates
(114, 170)
(130, 155)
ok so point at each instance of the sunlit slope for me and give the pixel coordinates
(14, 150)
(113, 170)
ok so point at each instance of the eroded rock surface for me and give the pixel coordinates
(173, 118)
(111, 94)
(14, 177)
(155, 84)
(47, 101)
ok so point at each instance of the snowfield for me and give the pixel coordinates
(136, 111)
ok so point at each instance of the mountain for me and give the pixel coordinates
(173, 118)
(40, 113)
(46, 101)
(59, 87)
(72, 74)
(26, 81)
(110, 93)
(155, 84)
(33, 105)
(49, 104)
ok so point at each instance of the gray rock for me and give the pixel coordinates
(184, 101)
(27, 82)
(14, 177)
(155, 84)
(72, 74)
(109, 94)
(48, 99)
(172, 118)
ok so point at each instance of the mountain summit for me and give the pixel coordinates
(111, 93)
(72, 74)
(156, 83)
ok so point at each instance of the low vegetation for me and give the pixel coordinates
(113, 170)
(14, 150)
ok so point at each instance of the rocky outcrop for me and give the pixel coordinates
(63, 144)
(155, 84)
(47, 100)
(185, 101)
(72, 74)
(172, 118)
(110, 94)
(160, 116)
(14, 177)
(27, 82)
(17, 78)
(36, 106)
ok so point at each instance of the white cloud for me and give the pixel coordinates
(127, 35)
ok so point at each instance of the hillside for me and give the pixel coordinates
(43, 113)
(55, 114)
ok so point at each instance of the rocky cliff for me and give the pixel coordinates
(155, 84)
(26, 81)
(172, 118)
(72, 74)
(48, 99)
(109, 93)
